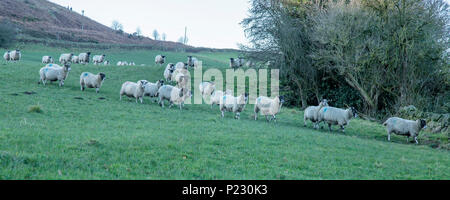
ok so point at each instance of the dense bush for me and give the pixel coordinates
(377, 55)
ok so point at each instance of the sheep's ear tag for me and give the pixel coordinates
(50, 65)
(259, 99)
(224, 97)
(85, 74)
(325, 110)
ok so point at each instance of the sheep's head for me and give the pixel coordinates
(163, 56)
(142, 83)
(324, 102)
(245, 95)
(422, 123)
(67, 66)
(281, 98)
(103, 55)
(354, 112)
(88, 53)
(160, 83)
(102, 76)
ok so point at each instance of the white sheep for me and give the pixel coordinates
(268, 107)
(54, 72)
(84, 58)
(106, 63)
(336, 116)
(47, 59)
(75, 59)
(404, 127)
(6, 56)
(217, 96)
(90, 80)
(65, 58)
(119, 63)
(151, 89)
(132, 89)
(160, 59)
(233, 104)
(192, 62)
(207, 88)
(312, 113)
(132, 64)
(181, 65)
(174, 95)
(169, 71)
(97, 59)
(15, 55)
(182, 78)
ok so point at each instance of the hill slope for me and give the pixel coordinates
(41, 19)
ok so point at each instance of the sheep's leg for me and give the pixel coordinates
(329, 127)
(142, 99)
(343, 129)
(97, 90)
(389, 136)
(238, 115)
(304, 121)
(415, 138)
(407, 139)
(274, 118)
(223, 114)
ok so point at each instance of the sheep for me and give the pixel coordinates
(132, 89)
(106, 63)
(151, 89)
(132, 64)
(311, 113)
(336, 116)
(119, 63)
(182, 78)
(181, 65)
(240, 61)
(233, 104)
(404, 127)
(47, 59)
(124, 63)
(75, 59)
(15, 55)
(217, 95)
(6, 56)
(234, 63)
(174, 95)
(160, 59)
(169, 71)
(207, 88)
(90, 80)
(65, 58)
(97, 59)
(54, 72)
(192, 62)
(268, 107)
(84, 58)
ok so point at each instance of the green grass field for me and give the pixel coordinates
(53, 134)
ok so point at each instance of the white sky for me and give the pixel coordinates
(210, 23)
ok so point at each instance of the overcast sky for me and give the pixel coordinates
(210, 23)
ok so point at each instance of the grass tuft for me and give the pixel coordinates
(35, 109)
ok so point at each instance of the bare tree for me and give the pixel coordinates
(116, 25)
(155, 35)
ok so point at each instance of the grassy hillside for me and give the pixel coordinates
(84, 135)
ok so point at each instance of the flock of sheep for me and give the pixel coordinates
(176, 95)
